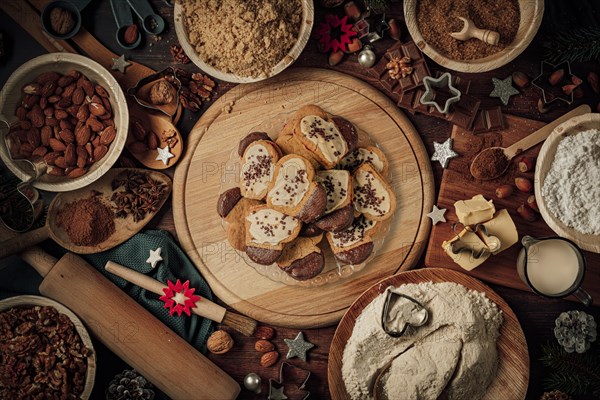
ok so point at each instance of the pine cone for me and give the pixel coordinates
(129, 385)
(555, 395)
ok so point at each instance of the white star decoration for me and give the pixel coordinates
(437, 215)
(119, 64)
(164, 155)
(154, 257)
(443, 152)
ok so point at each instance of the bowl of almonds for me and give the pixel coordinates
(65, 113)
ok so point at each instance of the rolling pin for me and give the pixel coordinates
(129, 330)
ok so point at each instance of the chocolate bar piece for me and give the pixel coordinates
(488, 119)
(409, 82)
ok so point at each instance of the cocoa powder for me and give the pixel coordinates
(490, 163)
(438, 18)
(86, 221)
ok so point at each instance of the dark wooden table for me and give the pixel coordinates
(535, 313)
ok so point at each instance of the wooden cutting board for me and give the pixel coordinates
(512, 377)
(458, 184)
(197, 184)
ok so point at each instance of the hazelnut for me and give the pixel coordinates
(264, 332)
(335, 57)
(526, 213)
(268, 359)
(520, 79)
(556, 77)
(61, 20)
(504, 191)
(220, 342)
(526, 164)
(523, 184)
(532, 203)
(161, 93)
(264, 346)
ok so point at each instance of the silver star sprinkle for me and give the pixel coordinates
(443, 152)
(154, 258)
(503, 89)
(277, 394)
(120, 64)
(164, 155)
(298, 347)
(437, 215)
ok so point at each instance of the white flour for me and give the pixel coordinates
(452, 356)
(571, 189)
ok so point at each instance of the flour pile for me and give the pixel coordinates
(452, 356)
(571, 188)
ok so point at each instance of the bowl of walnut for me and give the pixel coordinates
(67, 115)
(45, 350)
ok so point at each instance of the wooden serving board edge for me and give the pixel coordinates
(180, 214)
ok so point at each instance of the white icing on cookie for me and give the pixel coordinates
(257, 170)
(335, 182)
(326, 136)
(361, 155)
(354, 233)
(268, 226)
(291, 183)
(370, 195)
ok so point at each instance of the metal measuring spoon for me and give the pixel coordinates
(124, 19)
(479, 162)
(153, 23)
(73, 6)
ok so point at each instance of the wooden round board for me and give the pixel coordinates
(512, 377)
(198, 178)
(571, 127)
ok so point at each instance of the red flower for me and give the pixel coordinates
(335, 33)
(179, 297)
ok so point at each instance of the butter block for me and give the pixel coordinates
(503, 227)
(475, 210)
(465, 259)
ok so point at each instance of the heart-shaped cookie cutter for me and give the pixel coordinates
(492, 243)
(170, 75)
(21, 199)
(408, 323)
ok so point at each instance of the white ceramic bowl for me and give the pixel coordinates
(293, 54)
(30, 301)
(531, 11)
(11, 96)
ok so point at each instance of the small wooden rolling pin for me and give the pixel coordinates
(129, 330)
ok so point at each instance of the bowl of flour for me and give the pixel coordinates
(472, 345)
(566, 181)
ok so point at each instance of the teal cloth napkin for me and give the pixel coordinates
(16, 278)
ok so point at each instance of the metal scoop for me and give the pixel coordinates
(124, 19)
(153, 23)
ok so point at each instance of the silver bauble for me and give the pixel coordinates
(367, 57)
(252, 382)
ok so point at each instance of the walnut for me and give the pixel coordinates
(399, 67)
(161, 93)
(220, 342)
(178, 54)
(61, 20)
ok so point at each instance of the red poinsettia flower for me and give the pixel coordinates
(335, 34)
(179, 297)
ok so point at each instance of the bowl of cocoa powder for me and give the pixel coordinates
(243, 41)
(67, 112)
(430, 23)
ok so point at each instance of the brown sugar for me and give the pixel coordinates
(88, 222)
(438, 18)
(244, 37)
(490, 163)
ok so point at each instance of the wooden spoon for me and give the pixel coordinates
(526, 143)
(162, 127)
(124, 227)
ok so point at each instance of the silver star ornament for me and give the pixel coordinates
(443, 152)
(503, 89)
(437, 215)
(298, 347)
(120, 64)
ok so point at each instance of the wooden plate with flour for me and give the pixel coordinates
(513, 358)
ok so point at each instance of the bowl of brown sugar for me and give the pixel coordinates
(243, 41)
(430, 23)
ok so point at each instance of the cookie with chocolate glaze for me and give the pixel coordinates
(354, 244)
(373, 196)
(236, 230)
(336, 221)
(250, 138)
(258, 166)
(302, 259)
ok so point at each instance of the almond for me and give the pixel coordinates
(137, 147)
(54, 99)
(82, 135)
(74, 73)
(97, 109)
(69, 90)
(59, 91)
(78, 96)
(60, 162)
(89, 149)
(51, 121)
(47, 77)
(40, 151)
(131, 34)
(108, 135)
(94, 124)
(65, 124)
(45, 135)
(21, 113)
(101, 91)
(100, 152)
(60, 114)
(51, 157)
(81, 161)
(88, 87)
(152, 140)
(49, 111)
(43, 103)
(49, 88)
(138, 131)
(36, 116)
(30, 100)
(264, 346)
(520, 79)
(264, 332)
(556, 77)
(56, 144)
(83, 113)
(33, 137)
(70, 155)
(56, 171)
(64, 102)
(32, 88)
(65, 80)
(524, 184)
(269, 359)
(76, 172)
(107, 105)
